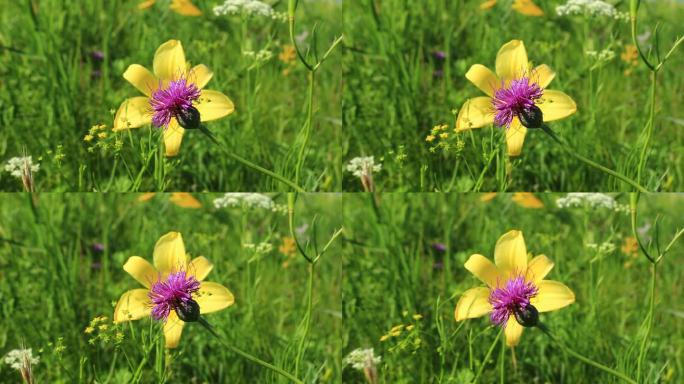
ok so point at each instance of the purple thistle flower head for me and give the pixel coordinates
(168, 102)
(440, 55)
(174, 292)
(511, 101)
(514, 295)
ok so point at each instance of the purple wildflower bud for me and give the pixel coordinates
(174, 293)
(519, 97)
(172, 101)
(97, 55)
(439, 55)
(97, 248)
(514, 296)
(439, 247)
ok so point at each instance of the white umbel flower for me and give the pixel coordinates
(17, 165)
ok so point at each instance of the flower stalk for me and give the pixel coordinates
(203, 322)
(563, 145)
(584, 359)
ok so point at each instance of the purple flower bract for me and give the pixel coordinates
(167, 103)
(509, 102)
(515, 294)
(168, 294)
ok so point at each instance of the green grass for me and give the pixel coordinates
(52, 284)
(393, 99)
(391, 271)
(52, 92)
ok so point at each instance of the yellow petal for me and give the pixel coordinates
(513, 332)
(510, 253)
(169, 254)
(172, 330)
(552, 295)
(484, 270)
(515, 137)
(200, 75)
(483, 78)
(527, 7)
(538, 268)
(141, 270)
(146, 196)
(200, 267)
(527, 200)
(141, 78)
(169, 61)
(214, 105)
(185, 200)
(213, 297)
(132, 305)
(556, 105)
(133, 113)
(473, 303)
(146, 4)
(542, 75)
(173, 136)
(489, 4)
(487, 197)
(511, 61)
(185, 8)
(475, 113)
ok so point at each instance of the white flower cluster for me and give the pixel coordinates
(591, 200)
(15, 166)
(603, 55)
(260, 56)
(363, 166)
(16, 358)
(362, 358)
(262, 247)
(603, 248)
(250, 200)
(595, 8)
(248, 8)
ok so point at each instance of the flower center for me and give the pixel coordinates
(174, 292)
(514, 296)
(173, 100)
(517, 98)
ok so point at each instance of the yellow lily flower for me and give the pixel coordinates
(525, 7)
(513, 284)
(171, 282)
(181, 199)
(523, 199)
(183, 7)
(172, 90)
(510, 92)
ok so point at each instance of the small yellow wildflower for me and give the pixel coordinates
(89, 330)
(384, 337)
(182, 7)
(443, 135)
(288, 55)
(430, 138)
(397, 328)
(417, 316)
(102, 135)
(410, 327)
(88, 138)
(103, 327)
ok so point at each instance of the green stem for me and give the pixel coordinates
(307, 319)
(649, 126)
(649, 324)
(591, 163)
(585, 360)
(307, 127)
(246, 355)
(489, 353)
(248, 163)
